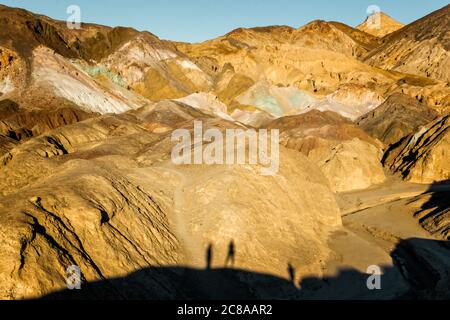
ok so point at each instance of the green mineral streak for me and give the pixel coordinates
(300, 100)
(269, 104)
(100, 70)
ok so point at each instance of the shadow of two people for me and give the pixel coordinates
(229, 260)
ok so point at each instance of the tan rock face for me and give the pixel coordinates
(350, 165)
(423, 156)
(333, 37)
(106, 233)
(347, 156)
(103, 194)
(396, 118)
(316, 129)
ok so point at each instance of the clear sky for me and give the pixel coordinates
(199, 20)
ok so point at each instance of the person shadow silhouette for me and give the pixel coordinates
(230, 260)
(291, 272)
(209, 256)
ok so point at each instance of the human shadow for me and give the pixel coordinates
(412, 276)
(209, 256)
(291, 272)
(231, 255)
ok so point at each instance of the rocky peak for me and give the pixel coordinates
(386, 25)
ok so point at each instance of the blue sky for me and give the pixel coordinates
(199, 20)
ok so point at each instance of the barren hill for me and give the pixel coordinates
(421, 47)
(103, 194)
(380, 25)
(347, 156)
(396, 118)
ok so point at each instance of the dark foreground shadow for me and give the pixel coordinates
(425, 263)
(411, 277)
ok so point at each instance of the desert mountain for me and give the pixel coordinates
(101, 69)
(22, 125)
(326, 35)
(104, 69)
(347, 156)
(284, 71)
(380, 25)
(254, 66)
(397, 117)
(420, 48)
(284, 55)
(316, 129)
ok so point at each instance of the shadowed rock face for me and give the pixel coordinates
(396, 118)
(434, 212)
(6, 144)
(8, 108)
(412, 277)
(423, 156)
(232, 284)
(18, 124)
(23, 124)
